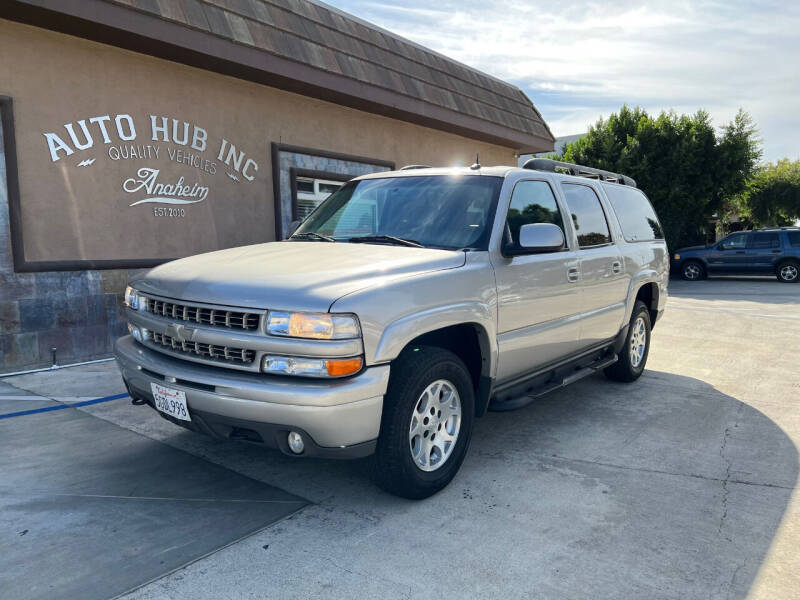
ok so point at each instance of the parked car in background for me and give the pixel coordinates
(405, 306)
(760, 252)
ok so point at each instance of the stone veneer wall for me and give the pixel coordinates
(77, 312)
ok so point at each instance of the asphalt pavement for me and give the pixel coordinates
(681, 485)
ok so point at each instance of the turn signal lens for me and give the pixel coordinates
(311, 367)
(342, 367)
(677, 257)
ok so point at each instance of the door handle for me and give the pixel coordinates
(777, 251)
(616, 267)
(740, 252)
(573, 274)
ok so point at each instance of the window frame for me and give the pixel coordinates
(751, 242)
(611, 233)
(296, 173)
(720, 243)
(560, 205)
(619, 221)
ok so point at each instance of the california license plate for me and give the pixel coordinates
(170, 402)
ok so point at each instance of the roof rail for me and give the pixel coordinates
(556, 166)
(411, 167)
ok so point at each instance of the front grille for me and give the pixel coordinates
(239, 356)
(232, 319)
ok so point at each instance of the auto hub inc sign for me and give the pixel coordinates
(168, 163)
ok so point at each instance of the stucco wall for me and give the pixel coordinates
(78, 213)
(72, 210)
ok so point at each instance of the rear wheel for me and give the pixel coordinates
(692, 270)
(788, 272)
(633, 356)
(426, 424)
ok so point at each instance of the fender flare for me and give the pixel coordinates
(641, 279)
(398, 334)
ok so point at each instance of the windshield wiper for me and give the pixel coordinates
(385, 238)
(312, 235)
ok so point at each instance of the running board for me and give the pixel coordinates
(550, 386)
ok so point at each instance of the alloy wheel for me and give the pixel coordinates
(692, 271)
(435, 425)
(638, 342)
(789, 272)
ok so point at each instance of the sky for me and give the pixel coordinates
(579, 60)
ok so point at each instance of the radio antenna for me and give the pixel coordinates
(477, 164)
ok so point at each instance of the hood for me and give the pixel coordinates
(306, 276)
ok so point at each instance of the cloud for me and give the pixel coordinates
(580, 60)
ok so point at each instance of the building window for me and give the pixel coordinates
(294, 167)
(311, 192)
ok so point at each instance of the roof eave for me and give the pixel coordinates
(145, 33)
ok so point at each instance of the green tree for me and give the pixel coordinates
(685, 167)
(772, 196)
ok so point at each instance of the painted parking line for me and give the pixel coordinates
(34, 411)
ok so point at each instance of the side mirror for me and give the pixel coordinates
(535, 238)
(293, 227)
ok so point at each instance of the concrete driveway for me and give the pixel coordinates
(682, 485)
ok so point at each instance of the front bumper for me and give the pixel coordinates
(338, 417)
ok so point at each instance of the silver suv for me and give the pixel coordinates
(404, 307)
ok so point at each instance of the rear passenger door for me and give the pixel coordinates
(762, 252)
(603, 280)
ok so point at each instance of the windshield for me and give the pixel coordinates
(438, 211)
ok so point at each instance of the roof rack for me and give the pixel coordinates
(411, 167)
(556, 166)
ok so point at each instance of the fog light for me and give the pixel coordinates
(295, 441)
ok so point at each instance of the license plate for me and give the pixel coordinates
(170, 402)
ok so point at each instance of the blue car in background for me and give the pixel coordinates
(760, 252)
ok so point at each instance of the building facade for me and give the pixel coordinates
(136, 131)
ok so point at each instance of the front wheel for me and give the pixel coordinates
(693, 270)
(426, 424)
(788, 272)
(633, 355)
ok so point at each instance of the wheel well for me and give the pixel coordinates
(648, 294)
(694, 260)
(468, 341)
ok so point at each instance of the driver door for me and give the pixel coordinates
(538, 294)
(730, 254)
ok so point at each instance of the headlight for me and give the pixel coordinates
(132, 299)
(311, 367)
(318, 326)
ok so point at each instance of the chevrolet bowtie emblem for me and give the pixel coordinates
(180, 333)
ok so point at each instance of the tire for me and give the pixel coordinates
(630, 365)
(411, 393)
(788, 272)
(693, 270)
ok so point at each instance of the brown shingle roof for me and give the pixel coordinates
(352, 62)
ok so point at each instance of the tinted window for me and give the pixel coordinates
(532, 202)
(765, 240)
(635, 213)
(588, 217)
(734, 242)
(794, 238)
